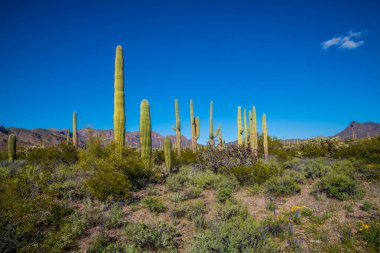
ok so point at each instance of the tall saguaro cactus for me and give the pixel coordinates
(12, 147)
(194, 124)
(177, 127)
(75, 134)
(168, 153)
(145, 133)
(68, 136)
(212, 136)
(265, 136)
(245, 129)
(253, 135)
(239, 127)
(119, 106)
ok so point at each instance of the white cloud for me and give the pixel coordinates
(344, 42)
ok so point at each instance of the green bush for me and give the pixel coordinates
(234, 235)
(339, 186)
(229, 210)
(51, 156)
(282, 186)
(225, 190)
(108, 183)
(257, 173)
(113, 216)
(311, 168)
(177, 181)
(196, 208)
(154, 204)
(191, 192)
(297, 176)
(371, 234)
(155, 236)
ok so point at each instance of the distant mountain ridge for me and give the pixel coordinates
(360, 130)
(49, 137)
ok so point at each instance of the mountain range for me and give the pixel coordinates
(48, 137)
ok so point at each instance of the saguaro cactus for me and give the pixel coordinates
(194, 124)
(245, 129)
(177, 127)
(220, 139)
(212, 136)
(253, 135)
(239, 127)
(68, 136)
(12, 147)
(168, 153)
(75, 134)
(145, 133)
(119, 106)
(265, 136)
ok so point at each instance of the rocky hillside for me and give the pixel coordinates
(360, 130)
(48, 137)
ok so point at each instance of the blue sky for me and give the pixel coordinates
(311, 66)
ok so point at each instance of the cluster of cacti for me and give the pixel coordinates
(195, 127)
(253, 130)
(145, 134)
(212, 136)
(12, 147)
(68, 136)
(168, 153)
(119, 110)
(177, 128)
(239, 127)
(265, 136)
(75, 134)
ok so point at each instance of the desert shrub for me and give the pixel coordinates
(154, 204)
(107, 183)
(297, 176)
(196, 208)
(26, 215)
(282, 186)
(339, 186)
(319, 147)
(187, 157)
(199, 222)
(225, 189)
(177, 211)
(229, 209)
(234, 235)
(278, 226)
(51, 156)
(113, 216)
(365, 150)
(191, 192)
(156, 236)
(345, 167)
(158, 157)
(371, 233)
(176, 181)
(71, 231)
(67, 189)
(98, 244)
(257, 173)
(311, 168)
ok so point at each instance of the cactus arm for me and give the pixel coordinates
(145, 134)
(197, 128)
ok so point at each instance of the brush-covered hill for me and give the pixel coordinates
(49, 137)
(360, 130)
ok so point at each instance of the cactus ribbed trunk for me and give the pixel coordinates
(68, 136)
(12, 147)
(177, 128)
(145, 134)
(75, 134)
(119, 104)
(265, 136)
(194, 124)
(253, 128)
(245, 129)
(239, 128)
(168, 153)
(220, 140)
(212, 136)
